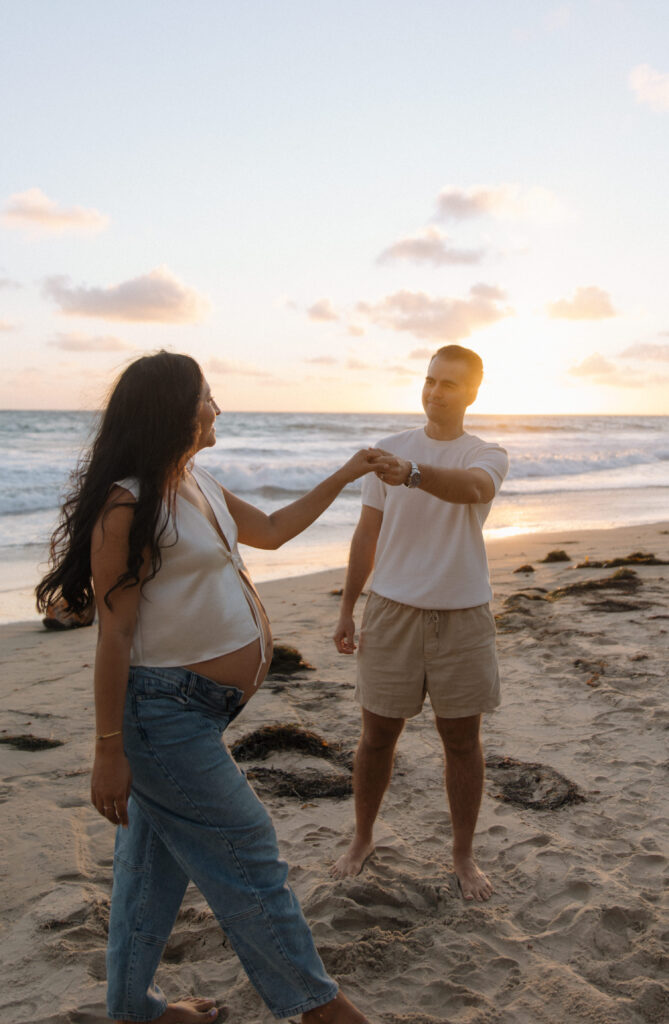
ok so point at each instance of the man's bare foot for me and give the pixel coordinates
(186, 1011)
(474, 885)
(351, 862)
(339, 1010)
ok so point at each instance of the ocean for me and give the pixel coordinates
(565, 472)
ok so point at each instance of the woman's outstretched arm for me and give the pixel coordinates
(262, 530)
(111, 778)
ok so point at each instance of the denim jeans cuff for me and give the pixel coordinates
(122, 1015)
(309, 1004)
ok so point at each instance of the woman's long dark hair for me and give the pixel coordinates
(147, 429)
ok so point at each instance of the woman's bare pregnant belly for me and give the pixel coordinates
(242, 668)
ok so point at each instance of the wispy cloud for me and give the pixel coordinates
(507, 201)
(429, 246)
(421, 353)
(7, 282)
(647, 352)
(34, 211)
(5, 325)
(595, 369)
(322, 360)
(74, 342)
(593, 366)
(157, 296)
(232, 368)
(322, 311)
(650, 86)
(440, 319)
(590, 303)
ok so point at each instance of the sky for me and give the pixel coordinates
(310, 197)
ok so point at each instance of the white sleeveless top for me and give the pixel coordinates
(198, 606)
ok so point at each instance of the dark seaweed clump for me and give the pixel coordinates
(636, 558)
(306, 784)
(556, 556)
(26, 741)
(625, 580)
(286, 661)
(536, 786)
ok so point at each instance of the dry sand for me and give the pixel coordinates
(577, 930)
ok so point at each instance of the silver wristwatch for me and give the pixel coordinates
(413, 479)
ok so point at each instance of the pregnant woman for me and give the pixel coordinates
(184, 643)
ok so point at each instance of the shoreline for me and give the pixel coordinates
(519, 545)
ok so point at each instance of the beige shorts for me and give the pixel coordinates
(405, 653)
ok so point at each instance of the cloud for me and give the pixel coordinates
(355, 330)
(593, 366)
(157, 296)
(33, 210)
(73, 342)
(595, 369)
(508, 201)
(6, 326)
(650, 87)
(646, 351)
(322, 360)
(356, 364)
(232, 368)
(7, 282)
(589, 303)
(439, 319)
(421, 353)
(322, 311)
(429, 246)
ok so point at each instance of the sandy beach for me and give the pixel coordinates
(574, 827)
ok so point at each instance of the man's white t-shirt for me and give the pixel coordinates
(430, 553)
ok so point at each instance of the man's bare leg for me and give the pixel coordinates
(339, 1010)
(464, 774)
(187, 1011)
(372, 769)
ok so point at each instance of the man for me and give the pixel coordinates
(427, 625)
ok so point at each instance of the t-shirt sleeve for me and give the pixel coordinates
(129, 483)
(494, 459)
(373, 491)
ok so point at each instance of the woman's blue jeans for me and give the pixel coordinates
(193, 816)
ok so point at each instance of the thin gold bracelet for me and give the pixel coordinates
(107, 735)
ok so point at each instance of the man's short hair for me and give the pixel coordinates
(472, 361)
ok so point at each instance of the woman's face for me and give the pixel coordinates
(207, 411)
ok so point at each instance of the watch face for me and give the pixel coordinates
(414, 477)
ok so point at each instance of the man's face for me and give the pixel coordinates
(447, 390)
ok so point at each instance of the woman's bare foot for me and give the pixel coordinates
(187, 1011)
(351, 862)
(474, 885)
(339, 1010)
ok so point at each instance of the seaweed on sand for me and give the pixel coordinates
(528, 784)
(308, 783)
(26, 741)
(286, 661)
(625, 580)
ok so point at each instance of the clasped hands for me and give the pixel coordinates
(394, 470)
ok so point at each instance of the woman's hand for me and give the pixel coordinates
(396, 470)
(110, 781)
(368, 460)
